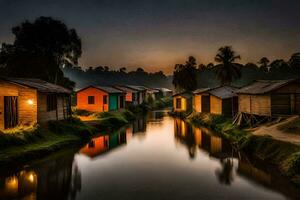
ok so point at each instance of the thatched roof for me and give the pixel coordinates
(264, 86)
(39, 85)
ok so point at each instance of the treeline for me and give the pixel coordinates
(226, 70)
(103, 75)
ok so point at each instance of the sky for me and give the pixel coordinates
(157, 34)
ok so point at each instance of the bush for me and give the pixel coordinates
(80, 112)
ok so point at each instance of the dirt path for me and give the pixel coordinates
(273, 131)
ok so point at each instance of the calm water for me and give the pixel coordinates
(155, 158)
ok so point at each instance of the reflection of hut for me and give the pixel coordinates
(247, 169)
(215, 145)
(139, 125)
(183, 102)
(21, 185)
(270, 98)
(96, 146)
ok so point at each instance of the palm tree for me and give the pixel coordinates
(227, 70)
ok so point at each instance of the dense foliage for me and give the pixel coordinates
(40, 49)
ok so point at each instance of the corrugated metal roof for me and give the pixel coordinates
(264, 86)
(224, 92)
(136, 87)
(109, 89)
(200, 90)
(123, 88)
(39, 85)
(164, 89)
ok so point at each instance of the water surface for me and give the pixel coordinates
(157, 157)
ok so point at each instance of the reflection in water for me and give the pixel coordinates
(55, 178)
(150, 168)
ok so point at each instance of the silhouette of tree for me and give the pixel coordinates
(227, 70)
(264, 64)
(41, 48)
(294, 61)
(184, 76)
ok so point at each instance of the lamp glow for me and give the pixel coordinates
(30, 101)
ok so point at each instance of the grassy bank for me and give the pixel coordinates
(284, 155)
(35, 142)
(106, 120)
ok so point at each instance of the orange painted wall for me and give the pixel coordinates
(128, 96)
(98, 106)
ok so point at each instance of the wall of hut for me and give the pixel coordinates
(43, 115)
(215, 105)
(197, 103)
(27, 112)
(255, 104)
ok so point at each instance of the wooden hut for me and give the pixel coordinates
(100, 99)
(141, 92)
(270, 98)
(131, 95)
(201, 100)
(183, 102)
(220, 100)
(164, 92)
(30, 101)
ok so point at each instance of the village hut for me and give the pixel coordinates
(141, 92)
(100, 99)
(270, 98)
(220, 100)
(131, 95)
(183, 102)
(164, 92)
(25, 102)
(201, 100)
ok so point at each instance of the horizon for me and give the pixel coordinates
(157, 35)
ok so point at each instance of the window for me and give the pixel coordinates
(178, 103)
(105, 99)
(51, 102)
(91, 100)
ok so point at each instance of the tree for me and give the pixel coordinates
(294, 61)
(227, 70)
(184, 76)
(263, 64)
(41, 48)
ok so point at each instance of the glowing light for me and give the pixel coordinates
(30, 101)
(31, 178)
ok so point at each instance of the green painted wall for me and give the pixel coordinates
(113, 102)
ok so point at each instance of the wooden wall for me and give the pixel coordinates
(255, 104)
(215, 105)
(43, 115)
(183, 104)
(82, 100)
(197, 102)
(27, 113)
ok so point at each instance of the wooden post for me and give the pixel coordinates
(293, 103)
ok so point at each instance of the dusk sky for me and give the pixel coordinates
(156, 34)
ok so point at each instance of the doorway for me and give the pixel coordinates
(10, 111)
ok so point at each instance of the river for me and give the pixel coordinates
(157, 157)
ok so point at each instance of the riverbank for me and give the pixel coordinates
(29, 143)
(18, 146)
(283, 155)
